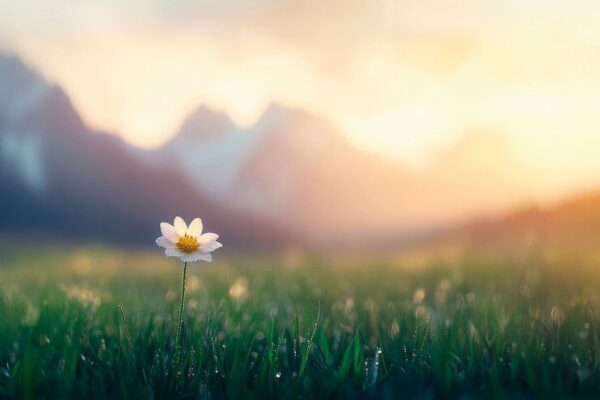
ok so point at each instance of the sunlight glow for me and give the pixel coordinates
(400, 79)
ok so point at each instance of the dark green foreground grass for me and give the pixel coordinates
(290, 327)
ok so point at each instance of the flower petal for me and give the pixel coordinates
(196, 256)
(195, 227)
(211, 246)
(207, 238)
(174, 252)
(164, 242)
(168, 232)
(180, 226)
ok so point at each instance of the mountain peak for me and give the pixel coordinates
(21, 87)
(205, 123)
(297, 123)
(277, 112)
(12, 69)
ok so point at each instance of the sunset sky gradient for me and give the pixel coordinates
(401, 78)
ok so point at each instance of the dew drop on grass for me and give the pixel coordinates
(278, 375)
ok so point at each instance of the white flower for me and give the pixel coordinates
(187, 242)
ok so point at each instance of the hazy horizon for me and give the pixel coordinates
(451, 111)
(494, 145)
(399, 79)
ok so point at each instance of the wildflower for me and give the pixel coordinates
(473, 332)
(557, 316)
(32, 316)
(187, 242)
(194, 284)
(239, 289)
(394, 328)
(87, 297)
(419, 296)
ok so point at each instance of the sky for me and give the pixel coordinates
(400, 78)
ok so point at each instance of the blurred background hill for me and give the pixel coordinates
(289, 179)
(60, 178)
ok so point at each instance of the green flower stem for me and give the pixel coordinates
(179, 337)
(126, 329)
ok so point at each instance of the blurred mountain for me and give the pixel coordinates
(297, 170)
(574, 221)
(291, 175)
(290, 167)
(59, 177)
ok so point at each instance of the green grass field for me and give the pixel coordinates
(289, 327)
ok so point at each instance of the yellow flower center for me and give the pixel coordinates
(188, 244)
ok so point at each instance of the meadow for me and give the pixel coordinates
(95, 322)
